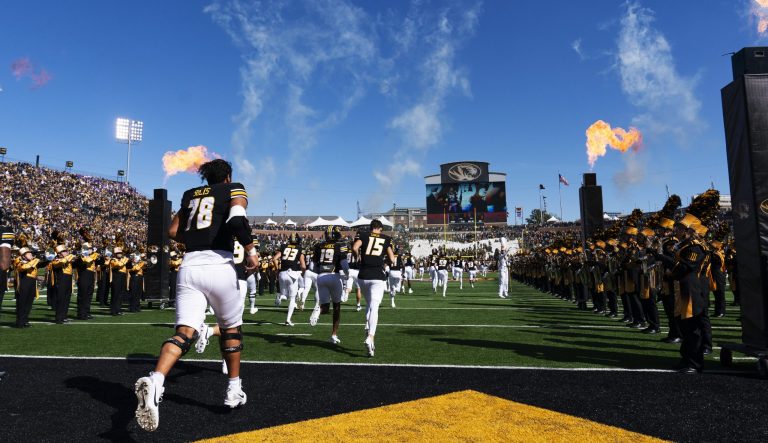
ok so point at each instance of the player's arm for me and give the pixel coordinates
(302, 263)
(391, 255)
(276, 258)
(356, 247)
(173, 230)
(237, 222)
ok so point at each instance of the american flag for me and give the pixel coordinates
(562, 179)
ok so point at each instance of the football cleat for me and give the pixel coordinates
(202, 339)
(235, 397)
(224, 369)
(410, 290)
(315, 316)
(209, 311)
(393, 302)
(254, 310)
(289, 323)
(369, 344)
(359, 308)
(149, 396)
(335, 340)
(344, 297)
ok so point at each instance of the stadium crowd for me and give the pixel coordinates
(37, 201)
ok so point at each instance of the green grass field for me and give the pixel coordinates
(468, 327)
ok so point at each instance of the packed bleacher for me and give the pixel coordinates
(39, 200)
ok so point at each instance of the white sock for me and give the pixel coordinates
(253, 300)
(157, 378)
(291, 307)
(209, 332)
(235, 382)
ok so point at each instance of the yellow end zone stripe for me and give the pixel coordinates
(459, 416)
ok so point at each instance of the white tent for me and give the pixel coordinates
(362, 221)
(290, 223)
(270, 222)
(385, 222)
(338, 221)
(553, 219)
(319, 222)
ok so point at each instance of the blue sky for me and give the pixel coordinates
(329, 102)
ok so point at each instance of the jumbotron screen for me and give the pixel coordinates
(459, 202)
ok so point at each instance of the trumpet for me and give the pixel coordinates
(49, 254)
(107, 253)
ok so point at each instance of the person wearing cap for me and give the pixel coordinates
(103, 276)
(651, 276)
(667, 258)
(689, 303)
(119, 268)
(86, 279)
(700, 232)
(173, 264)
(26, 284)
(136, 268)
(62, 275)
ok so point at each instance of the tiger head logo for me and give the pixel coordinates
(464, 172)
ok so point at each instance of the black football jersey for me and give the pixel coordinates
(398, 264)
(409, 261)
(372, 254)
(328, 257)
(442, 264)
(203, 216)
(471, 266)
(290, 254)
(239, 254)
(6, 236)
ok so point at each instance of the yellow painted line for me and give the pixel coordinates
(459, 416)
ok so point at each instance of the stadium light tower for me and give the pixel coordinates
(130, 132)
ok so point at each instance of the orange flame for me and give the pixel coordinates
(600, 136)
(186, 160)
(760, 11)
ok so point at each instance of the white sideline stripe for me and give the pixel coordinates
(294, 335)
(313, 363)
(399, 325)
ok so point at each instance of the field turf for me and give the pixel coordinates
(468, 327)
(468, 367)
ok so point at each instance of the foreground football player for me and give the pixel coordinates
(330, 262)
(209, 217)
(290, 260)
(370, 250)
(6, 239)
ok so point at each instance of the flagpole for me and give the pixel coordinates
(560, 195)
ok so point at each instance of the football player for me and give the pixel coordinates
(330, 262)
(352, 283)
(503, 266)
(458, 271)
(210, 216)
(395, 276)
(6, 240)
(442, 273)
(370, 248)
(290, 260)
(408, 274)
(433, 269)
(472, 269)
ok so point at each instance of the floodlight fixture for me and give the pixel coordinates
(130, 132)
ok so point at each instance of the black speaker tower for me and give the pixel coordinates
(745, 115)
(590, 205)
(156, 279)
